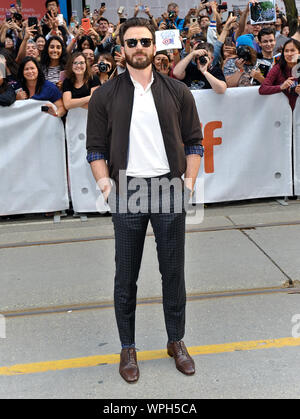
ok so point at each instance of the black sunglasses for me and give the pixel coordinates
(132, 42)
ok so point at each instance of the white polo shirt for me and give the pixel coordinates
(147, 154)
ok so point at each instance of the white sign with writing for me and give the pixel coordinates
(169, 39)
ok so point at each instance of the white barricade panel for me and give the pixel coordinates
(247, 141)
(296, 147)
(32, 160)
(83, 188)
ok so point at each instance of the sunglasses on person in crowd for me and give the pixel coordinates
(132, 42)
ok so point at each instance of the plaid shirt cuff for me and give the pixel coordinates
(194, 149)
(95, 155)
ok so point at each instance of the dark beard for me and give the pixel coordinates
(140, 65)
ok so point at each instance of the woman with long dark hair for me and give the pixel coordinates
(280, 78)
(85, 42)
(79, 84)
(34, 86)
(53, 59)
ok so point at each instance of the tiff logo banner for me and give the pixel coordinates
(2, 327)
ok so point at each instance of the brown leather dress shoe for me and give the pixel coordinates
(184, 363)
(129, 369)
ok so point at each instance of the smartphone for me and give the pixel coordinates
(228, 41)
(87, 7)
(60, 18)
(44, 108)
(86, 24)
(264, 69)
(102, 4)
(193, 20)
(32, 21)
(121, 10)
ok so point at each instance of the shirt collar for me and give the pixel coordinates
(137, 85)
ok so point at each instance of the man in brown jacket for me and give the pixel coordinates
(143, 127)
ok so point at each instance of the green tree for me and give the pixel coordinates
(292, 15)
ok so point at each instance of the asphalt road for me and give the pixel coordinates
(242, 322)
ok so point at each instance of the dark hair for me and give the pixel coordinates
(45, 59)
(207, 46)
(69, 68)
(40, 78)
(50, 1)
(10, 62)
(282, 62)
(162, 53)
(136, 22)
(108, 57)
(266, 31)
(102, 18)
(81, 41)
(39, 36)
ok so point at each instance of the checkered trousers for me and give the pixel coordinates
(169, 230)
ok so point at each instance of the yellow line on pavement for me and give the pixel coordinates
(93, 361)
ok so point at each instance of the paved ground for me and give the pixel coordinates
(73, 351)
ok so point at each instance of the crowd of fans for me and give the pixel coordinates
(51, 61)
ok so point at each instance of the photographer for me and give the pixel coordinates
(170, 19)
(104, 68)
(79, 84)
(247, 69)
(196, 72)
(237, 71)
(161, 62)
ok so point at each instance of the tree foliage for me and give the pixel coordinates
(292, 15)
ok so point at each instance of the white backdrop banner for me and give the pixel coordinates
(32, 160)
(248, 142)
(296, 147)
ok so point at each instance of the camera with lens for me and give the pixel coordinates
(243, 53)
(171, 14)
(103, 67)
(202, 60)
